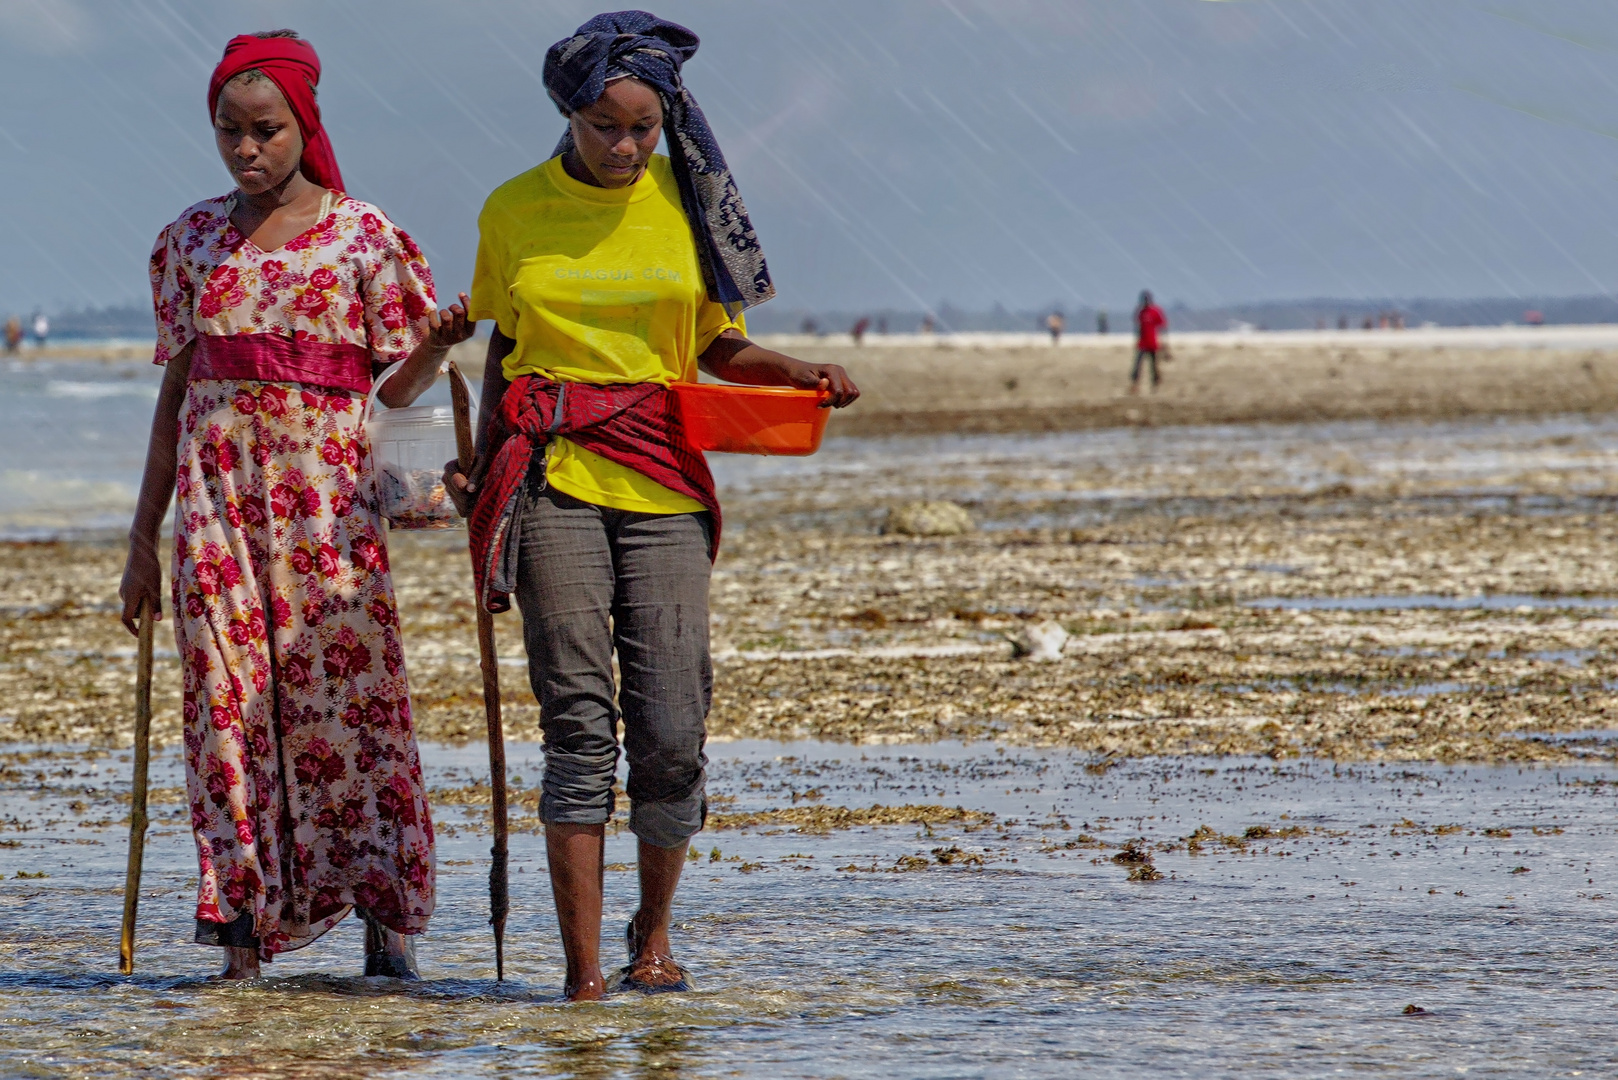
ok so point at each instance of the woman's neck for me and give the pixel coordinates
(574, 166)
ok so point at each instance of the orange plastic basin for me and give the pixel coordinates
(751, 419)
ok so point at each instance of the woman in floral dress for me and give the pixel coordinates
(275, 304)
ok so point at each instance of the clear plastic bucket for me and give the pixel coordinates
(409, 447)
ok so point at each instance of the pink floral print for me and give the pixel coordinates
(301, 762)
(355, 278)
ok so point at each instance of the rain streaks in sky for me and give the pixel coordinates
(904, 152)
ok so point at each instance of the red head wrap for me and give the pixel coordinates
(293, 65)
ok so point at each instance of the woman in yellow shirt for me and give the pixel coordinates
(611, 272)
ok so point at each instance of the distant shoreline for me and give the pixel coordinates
(985, 383)
(1512, 336)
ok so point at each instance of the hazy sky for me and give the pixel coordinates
(899, 152)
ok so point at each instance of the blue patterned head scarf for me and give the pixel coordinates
(639, 44)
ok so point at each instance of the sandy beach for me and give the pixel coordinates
(987, 383)
(982, 383)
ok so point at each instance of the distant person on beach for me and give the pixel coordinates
(1150, 322)
(1055, 324)
(858, 332)
(1101, 321)
(586, 503)
(42, 329)
(13, 334)
(928, 325)
(276, 304)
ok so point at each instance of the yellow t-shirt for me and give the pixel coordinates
(596, 285)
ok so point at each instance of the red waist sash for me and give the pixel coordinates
(273, 358)
(634, 425)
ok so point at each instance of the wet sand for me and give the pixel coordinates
(966, 386)
(1355, 591)
(1219, 835)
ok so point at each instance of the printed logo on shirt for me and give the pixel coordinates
(650, 273)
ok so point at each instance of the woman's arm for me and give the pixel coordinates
(461, 487)
(444, 330)
(735, 359)
(494, 387)
(143, 577)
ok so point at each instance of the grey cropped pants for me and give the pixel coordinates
(592, 581)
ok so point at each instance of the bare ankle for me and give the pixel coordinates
(240, 964)
(651, 935)
(589, 986)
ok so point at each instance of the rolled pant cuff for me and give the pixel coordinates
(668, 824)
(560, 812)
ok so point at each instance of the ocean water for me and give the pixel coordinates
(72, 442)
(73, 439)
(1376, 920)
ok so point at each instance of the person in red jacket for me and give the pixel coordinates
(1149, 322)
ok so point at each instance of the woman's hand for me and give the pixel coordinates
(735, 359)
(143, 580)
(463, 489)
(446, 329)
(827, 378)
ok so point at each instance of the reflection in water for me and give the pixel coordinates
(665, 1054)
(1301, 908)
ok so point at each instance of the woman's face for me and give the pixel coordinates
(616, 136)
(257, 134)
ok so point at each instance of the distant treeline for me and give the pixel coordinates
(135, 321)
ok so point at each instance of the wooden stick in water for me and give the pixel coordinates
(499, 891)
(137, 794)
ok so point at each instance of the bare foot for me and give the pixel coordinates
(387, 952)
(651, 961)
(655, 971)
(1134, 388)
(240, 964)
(588, 987)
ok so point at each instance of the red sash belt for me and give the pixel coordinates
(633, 425)
(273, 358)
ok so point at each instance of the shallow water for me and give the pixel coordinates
(861, 953)
(73, 440)
(73, 437)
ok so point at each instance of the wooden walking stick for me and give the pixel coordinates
(499, 896)
(137, 793)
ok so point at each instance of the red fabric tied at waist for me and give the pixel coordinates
(634, 425)
(273, 358)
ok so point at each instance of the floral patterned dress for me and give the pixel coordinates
(301, 763)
